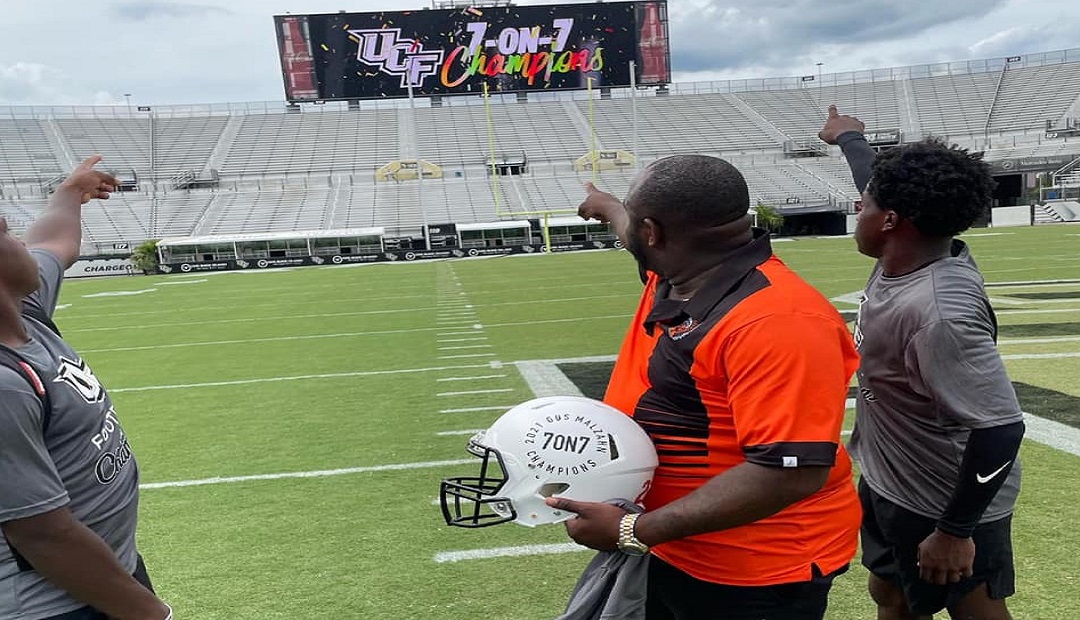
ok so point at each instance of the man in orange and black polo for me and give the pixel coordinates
(738, 370)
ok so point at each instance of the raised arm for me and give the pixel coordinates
(59, 228)
(847, 132)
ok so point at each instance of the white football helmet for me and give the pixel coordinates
(568, 446)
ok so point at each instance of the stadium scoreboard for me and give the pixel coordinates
(342, 56)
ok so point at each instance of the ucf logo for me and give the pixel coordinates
(389, 52)
(81, 379)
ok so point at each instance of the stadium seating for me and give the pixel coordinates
(269, 168)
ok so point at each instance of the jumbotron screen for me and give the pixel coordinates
(456, 51)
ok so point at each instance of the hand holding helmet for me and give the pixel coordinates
(564, 446)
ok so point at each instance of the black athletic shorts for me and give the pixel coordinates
(675, 595)
(890, 544)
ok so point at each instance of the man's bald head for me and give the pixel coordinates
(690, 190)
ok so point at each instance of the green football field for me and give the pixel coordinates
(292, 426)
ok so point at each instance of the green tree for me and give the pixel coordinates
(145, 256)
(768, 217)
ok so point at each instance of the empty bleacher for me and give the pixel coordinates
(302, 144)
(25, 152)
(799, 113)
(682, 124)
(1032, 95)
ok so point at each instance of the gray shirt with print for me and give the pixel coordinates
(930, 374)
(82, 461)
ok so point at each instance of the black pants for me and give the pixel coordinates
(674, 595)
(89, 613)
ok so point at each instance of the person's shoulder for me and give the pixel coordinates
(787, 292)
(957, 291)
(42, 255)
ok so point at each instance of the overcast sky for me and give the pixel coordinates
(212, 51)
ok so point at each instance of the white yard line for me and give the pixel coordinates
(473, 378)
(1040, 356)
(547, 380)
(1050, 340)
(474, 392)
(1054, 434)
(323, 473)
(1054, 311)
(335, 375)
(457, 357)
(464, 431)
(476, 409)
(507, 552)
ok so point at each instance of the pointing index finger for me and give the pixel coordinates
(833, 113)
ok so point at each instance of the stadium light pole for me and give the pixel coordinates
(633, 111)
(419, 169)
(127, 96)
(820, 86)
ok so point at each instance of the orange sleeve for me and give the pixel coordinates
(629, 379)
(787, 378)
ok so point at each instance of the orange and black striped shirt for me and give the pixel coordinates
(754, 368)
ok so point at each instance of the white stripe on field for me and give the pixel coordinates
(1039, 340)
(181, 282)
(1054, 311)
(475, 409)
(468, 333)
(507, 552)
(303, 474)
(1034, 283)
(467, 431)
(1039, 356)
(458, 347)
(456, 357)
(335, 375)
(547, 380)
(1051, 433)
(477, 339)
(472, 392)
(473, 378)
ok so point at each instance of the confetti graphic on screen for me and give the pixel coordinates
(458, 51)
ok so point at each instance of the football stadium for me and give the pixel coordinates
(304, 309)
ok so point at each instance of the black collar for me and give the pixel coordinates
(737, 265)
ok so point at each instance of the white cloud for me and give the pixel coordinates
(161, 51)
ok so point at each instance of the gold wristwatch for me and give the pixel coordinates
(628, 543)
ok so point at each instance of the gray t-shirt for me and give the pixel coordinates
(82, 461)
(930, 374)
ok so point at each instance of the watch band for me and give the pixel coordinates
(628, 542)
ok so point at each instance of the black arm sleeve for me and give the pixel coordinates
(988, 458)
(860, 157)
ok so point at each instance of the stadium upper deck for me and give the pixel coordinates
(276, 167)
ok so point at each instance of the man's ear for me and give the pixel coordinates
(654, 232)
(891, 221)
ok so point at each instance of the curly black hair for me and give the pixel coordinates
(942, 190)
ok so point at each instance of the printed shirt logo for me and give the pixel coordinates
(682, 330)
(858, 335)
(78, 376)
(984, 479)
